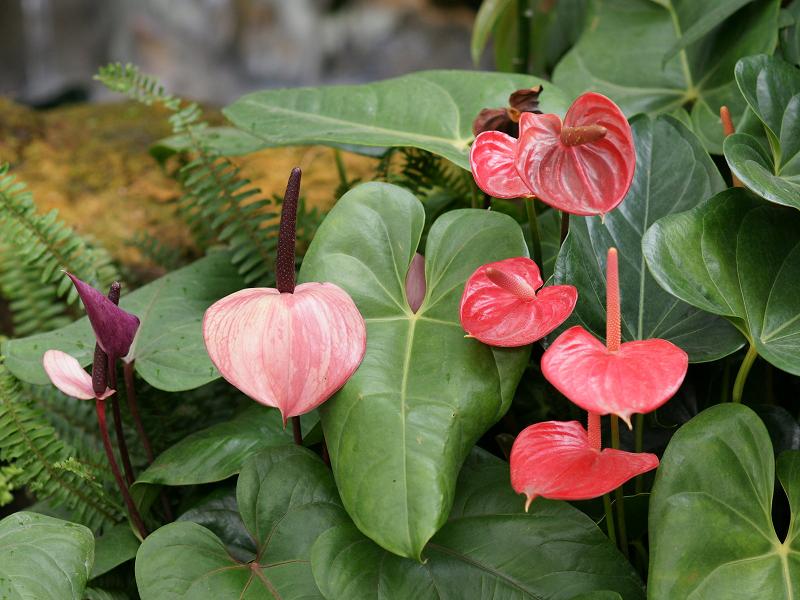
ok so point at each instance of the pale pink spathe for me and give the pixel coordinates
(555, 460)
(68, 376)
(638, 378)
(290, 351)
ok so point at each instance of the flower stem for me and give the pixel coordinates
(287, 236)
(100, 408)
(297, 431)
(619, 492)
(133, 406)
(610, 529)
(533, 225)
(744, 370)
(340, 168)
(638, 445)
(122, 445)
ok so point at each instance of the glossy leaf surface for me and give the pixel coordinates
(43, 558)
(503, 304)
(290, 351)
(625, 55)
(771, 87)
(431, 110)
(404, 423)
(286, 498)
(737, 257)
(673, 174)
(116, 546)
(488, 549)
(555, 460)
(711, 525)
(168, 348)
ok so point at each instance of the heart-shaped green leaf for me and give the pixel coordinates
(432, 110)
(116, 546)
(622, 54)
(169, 350)
(489, 548)
(771, 87)
(737, 257)
(43, 558)
(711, 530)
(287, 498)
(400, 429)
(673, 173)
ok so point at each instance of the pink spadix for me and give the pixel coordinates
(582, 166)
(501, 306)
(287, 347)
(565, 461)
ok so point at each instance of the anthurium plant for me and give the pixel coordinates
(549, 351)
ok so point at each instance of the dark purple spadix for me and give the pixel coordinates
(287, 235)
(415, 282)
(113, 327)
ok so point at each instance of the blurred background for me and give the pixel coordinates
(216, 50)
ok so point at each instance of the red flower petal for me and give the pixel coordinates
(291, 351)
(511, 313)
(590, 178)
(555, 460)
(68, 376)
(638, 378)
(492, 159)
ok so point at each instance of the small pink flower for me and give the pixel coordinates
(68, 376)
(583, 166)
(501, 307)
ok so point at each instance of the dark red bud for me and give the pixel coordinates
(287, 235)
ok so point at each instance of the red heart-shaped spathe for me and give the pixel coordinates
(492, 160)
(291, 351)
(638, 378)
(514, 314)
(555, 460)
(588, 178)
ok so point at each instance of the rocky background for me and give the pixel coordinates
(84, 152)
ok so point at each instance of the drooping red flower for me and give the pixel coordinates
(291, 347)
(556, 460)
(501, 307)
(582, 166)
(615, 378)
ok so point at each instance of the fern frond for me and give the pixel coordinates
(157, 251)
(219, 204)
(32, 446)
(423, 172)
(44, 245)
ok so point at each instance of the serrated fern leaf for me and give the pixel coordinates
(42, 460)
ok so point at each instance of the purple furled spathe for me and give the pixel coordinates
(113, 327)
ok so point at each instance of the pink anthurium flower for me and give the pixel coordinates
(619, 379)
(290, 348)
(68, 376)
(582, 166)
(557, 460)
(501, 307)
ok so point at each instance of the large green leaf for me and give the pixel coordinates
(711, 530)
(43, 558)
(771, 87)
(400, 429)
(622, 54)
(673, 173)
(489, 549)
(487, 17)
(169, 350)
(287, 498)
(116, 546)
(737, 257)
(432, 110)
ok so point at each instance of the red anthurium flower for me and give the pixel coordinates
(68, 376)
(582, 166)
(290, 348)
(558, 461)
(415, 282)
(620, 379)
(113, 327)
(501, 307)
